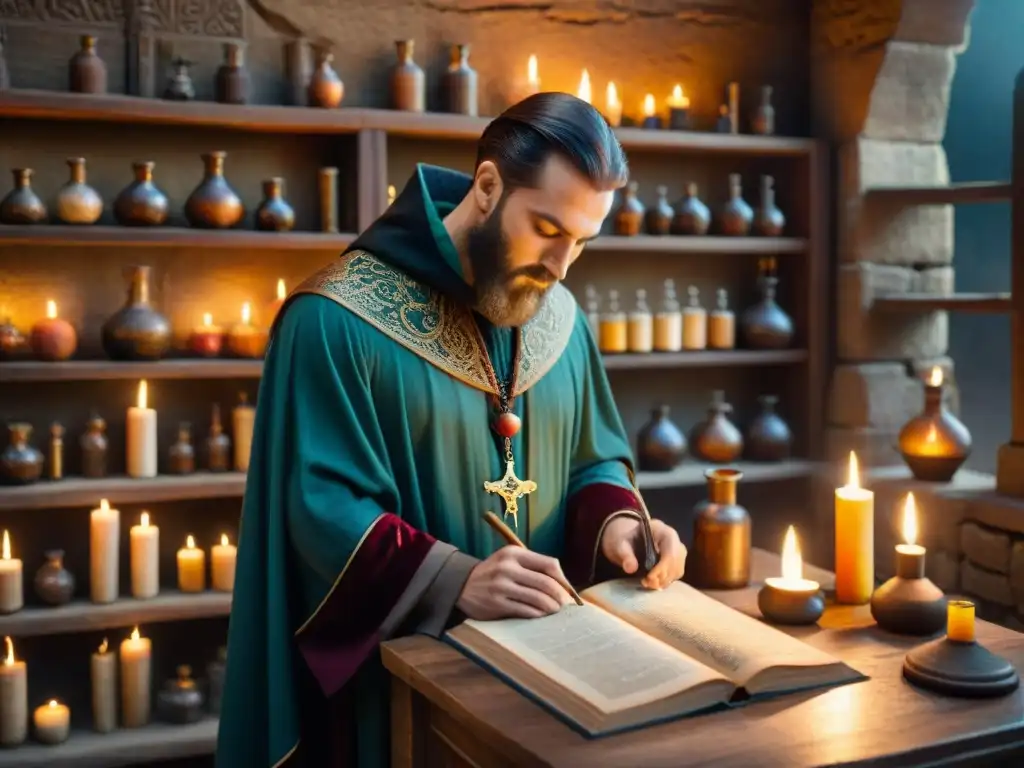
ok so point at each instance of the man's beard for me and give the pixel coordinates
(506, 297)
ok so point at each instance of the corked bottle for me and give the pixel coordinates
(668, 322)
(722, 324)
(459, 85)
(658, 219)
(695, 322)
(628, 218)
(721, 535)
(736, 216)
(691, 216)
(640, 325)
(86, 71)
(93, 444)
(408, 84)
(614, 336)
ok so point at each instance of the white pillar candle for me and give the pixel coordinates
(104, 553)
(243, 417)
(13, 699)
(136, 672)
(52, 722)
(144, 540)
(222, 563)
(191, 567)
(12, 595)
(103, 671)
(140, 437)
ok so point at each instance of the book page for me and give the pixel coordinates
(736, 645)
(597, 656)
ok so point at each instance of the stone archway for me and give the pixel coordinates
(881, 76)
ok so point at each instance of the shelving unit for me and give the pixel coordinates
(367, 144)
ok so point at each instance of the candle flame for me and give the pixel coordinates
(935, 379)
(853, 476)
(51, 309)
(792, 563)
(677, 94)
(392, 193)
(281, 292)
(649, 105)
(190, 543)
(207, 319)
(9, 658)
(104, 505)
(135, 634)
(103, 646)
(223, 539)
(583, 92)
(910, 520)
(143, 394)
(611, 96)
(52, 703)
(531, 69)
(144, 520)
(678, 99)
(246, 313)
(7, 546)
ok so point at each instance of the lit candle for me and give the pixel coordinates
(651, 119)
(243, 419)
(583, 91)
(53, 338)
(104, 555)
(613, 106)
(791, 599)
(206, 340)
(103, 672)
(140, 436)
(910, 554)
(278, 302)
(145, 558)
(13, 699)
(855, 534)
(792, 579)
(191, 567)
(12, 595)
(222, 559)
(245, 339)
(52, 722)
(960, 621)
(136, 653)
(678, 110)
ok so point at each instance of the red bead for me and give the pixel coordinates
(507, 425)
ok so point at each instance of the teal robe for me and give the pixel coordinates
(362, 515)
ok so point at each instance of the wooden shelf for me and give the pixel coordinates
(56, 105)
(729, 358)
(973, 303)
(972, 192)
(170, 237)
(712, 244)
(84, 616)
(81, 492)
(125, 747)
(692, 475)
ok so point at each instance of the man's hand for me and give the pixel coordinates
(622, 543)
(513, 583)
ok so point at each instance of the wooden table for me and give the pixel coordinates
(448, 711)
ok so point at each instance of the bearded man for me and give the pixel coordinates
(437, 370)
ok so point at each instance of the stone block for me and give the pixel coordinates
(939, 22)
(941, 508)
(943, 569)
(910, 98)
(865, 334)
(987, 547)
(997, 511)
(874, 447)
(873, 395)
(989, 586)
(1017, 571)
(874, 231)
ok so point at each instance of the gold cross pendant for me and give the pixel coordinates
(511, 489)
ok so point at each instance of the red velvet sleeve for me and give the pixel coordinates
(586, 513)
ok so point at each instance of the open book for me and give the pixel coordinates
(631, 657)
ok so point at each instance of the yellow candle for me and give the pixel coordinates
(145, 558)
(612, 106)
(103, 674)
(140, 437)
(136, 675)
(677, 100)
(243, 419)
(104, 553)
(191, 567)
(855, 540)
(12, 595)
(52, 722)
(13, 699)
(222, 565)
(583, 91)
(960, 621)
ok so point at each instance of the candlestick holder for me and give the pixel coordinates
(679, 119)
(935, 443)
(957, 665)
(793, 603)
(651, 123)
(909, 603)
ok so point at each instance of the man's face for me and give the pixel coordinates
(530, 239)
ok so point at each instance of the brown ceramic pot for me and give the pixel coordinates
(214, 204)
(459, 84)
(86, 71)
(20, 463)
(628, 218)
(137, 331)
(274, 214)
(660, 445)
(77, 202)
(691, 216)
(326, 90)
(408, 86)
(141, 203)
(768, 438)
(93, 444)
(54, 584)
(658, 219)
(22, 205)
(716, 439)
(766, 325)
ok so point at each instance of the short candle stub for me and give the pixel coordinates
(793, 607)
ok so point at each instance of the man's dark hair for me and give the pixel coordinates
(524, 136)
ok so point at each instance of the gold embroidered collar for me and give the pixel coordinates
(433, 326)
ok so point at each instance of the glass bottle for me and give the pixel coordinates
(695, 321)
(640, 328)
(218, 445)
(722, 325)
(593, 303)
(736, 215)
(668, 322)
(93, 444)
(613, 336)
(56, 465)
(182, 456)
